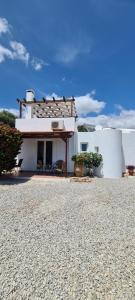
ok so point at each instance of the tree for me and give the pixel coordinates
(7, 118)
(10, 144)
(82, 128)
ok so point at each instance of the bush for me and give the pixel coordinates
(94, 160)
(78, 158)
(89, 159)
(10, 144)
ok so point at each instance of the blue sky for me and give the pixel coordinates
(81, 48)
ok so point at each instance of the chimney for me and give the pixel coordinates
(30, 94)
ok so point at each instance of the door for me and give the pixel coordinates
(40, 154)
(49, 148)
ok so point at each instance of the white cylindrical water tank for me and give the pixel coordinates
(110, 144)
(30, 94)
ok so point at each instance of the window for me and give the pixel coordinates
(84, 147)
(97, 149)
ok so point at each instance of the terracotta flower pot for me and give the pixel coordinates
(130, 170)
(79, 170)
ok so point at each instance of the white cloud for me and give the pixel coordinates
(19, 51)
(37, 63)
(5, 53)
(4, 26)
(87, 104)
(11, 110)
(16, 50)
(67, 53)
(125, 119)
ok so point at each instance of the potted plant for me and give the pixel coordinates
(130, 170)
(78, 164)
(86, 162)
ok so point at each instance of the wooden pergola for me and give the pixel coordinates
(46, 108)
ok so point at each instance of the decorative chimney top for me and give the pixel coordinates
(30, 94)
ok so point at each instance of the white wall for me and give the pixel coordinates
(128, 141)
(110, 146)
(29, 154)
(109, 142)
(44, 124)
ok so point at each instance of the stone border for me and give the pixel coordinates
(81, 179)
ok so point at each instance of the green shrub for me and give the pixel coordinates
(89, 159)
(97, 159)
(10, 144)
(78, 158)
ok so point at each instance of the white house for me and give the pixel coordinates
(49, 131)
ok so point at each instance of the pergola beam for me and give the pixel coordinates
(62, 134)
(44, 100)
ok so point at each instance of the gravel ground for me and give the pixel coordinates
(65, 241)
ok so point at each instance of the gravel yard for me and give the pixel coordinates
(65, 241)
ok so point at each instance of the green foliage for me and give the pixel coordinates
(79, 158)
(97, 159)
(10, 144)
(7, 118)
(88, 159)
(82, 128)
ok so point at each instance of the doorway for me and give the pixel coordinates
(40, 154)
(49, 152)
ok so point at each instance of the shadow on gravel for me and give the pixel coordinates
(12, 181)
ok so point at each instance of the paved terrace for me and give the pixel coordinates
(65, 241)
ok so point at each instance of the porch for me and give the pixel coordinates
(40, 152)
